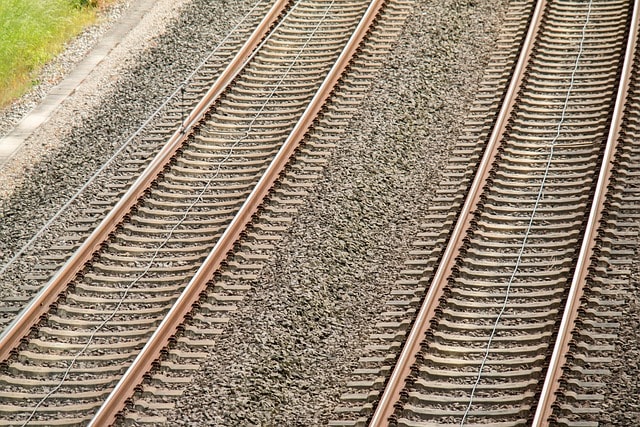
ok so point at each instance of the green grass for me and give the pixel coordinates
(31, 33)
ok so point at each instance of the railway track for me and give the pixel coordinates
(116, 332)
(78, 351)
(494, 338)
(33, 265)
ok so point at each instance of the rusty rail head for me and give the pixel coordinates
(116, 400)
(565, 333)
(391, 394)
(30, 315)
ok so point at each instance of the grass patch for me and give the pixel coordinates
(31, 33)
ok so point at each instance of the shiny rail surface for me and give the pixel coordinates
(40, 304)
(560, 353)
(103, 283)
(175, 317)
(407, 358)
(97, 197)
(72, 360)
(479, 350)
(163, 387)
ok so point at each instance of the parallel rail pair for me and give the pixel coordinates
(93, 257)
(396, 385)
(416, 390)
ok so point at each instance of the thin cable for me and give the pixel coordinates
(533, 213)
(188, 210)
(93, 177)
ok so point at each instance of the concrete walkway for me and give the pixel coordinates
(11, 142)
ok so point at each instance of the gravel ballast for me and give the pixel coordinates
(59, 67)
(289, 350)
(298, 335)
(105, 109)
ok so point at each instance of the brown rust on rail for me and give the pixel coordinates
(116, 401)
(21, 326)
(558, 359)
(391, 394)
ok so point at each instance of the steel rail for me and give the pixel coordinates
(182, 86)
(391, 394)
(558, 359)
(30, 315)
(134, 375)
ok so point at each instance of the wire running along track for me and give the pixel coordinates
(167, 328)
(159, 167)
(389, 406)
(32, 313)
(198, 283)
